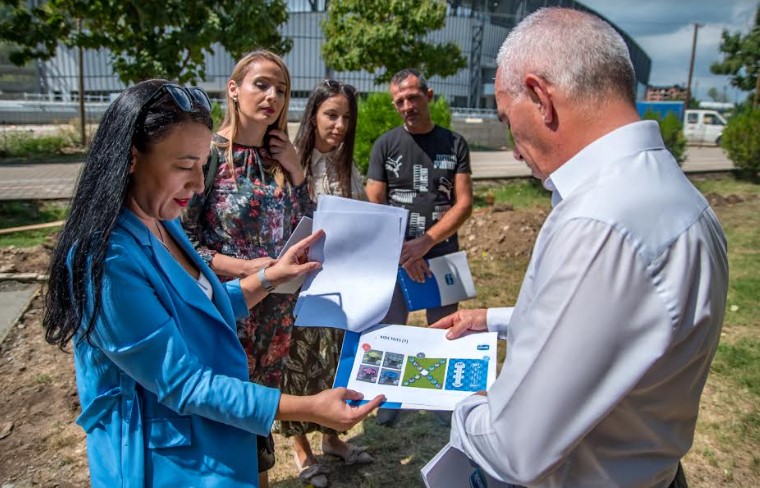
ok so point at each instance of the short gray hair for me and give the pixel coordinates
(578, 52)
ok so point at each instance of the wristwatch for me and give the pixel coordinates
(264, 281)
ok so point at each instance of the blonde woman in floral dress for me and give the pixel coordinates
(258, 196)
(325, 144)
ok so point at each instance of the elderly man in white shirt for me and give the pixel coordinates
(620, 311)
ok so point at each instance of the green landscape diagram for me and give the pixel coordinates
(425, 372)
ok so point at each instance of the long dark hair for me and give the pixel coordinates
(74, 297)
(306, 136)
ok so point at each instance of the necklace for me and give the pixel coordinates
(161, 234)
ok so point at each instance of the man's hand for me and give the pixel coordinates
(418, 270)
(415, 249)
(461, 321)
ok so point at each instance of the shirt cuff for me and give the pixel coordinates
(239, 307)
(497, 320)
(459, 420)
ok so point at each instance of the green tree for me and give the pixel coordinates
(387, 37)
(741, 59)
(717, 96)
(671, 130)
(741, 143)
(167, 39)
(377, 116)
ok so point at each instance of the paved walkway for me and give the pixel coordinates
(42, 181)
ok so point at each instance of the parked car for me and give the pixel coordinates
(703, 126)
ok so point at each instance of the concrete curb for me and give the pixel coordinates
(20, 304)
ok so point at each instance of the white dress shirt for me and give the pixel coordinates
(325, 177)
(614, 330)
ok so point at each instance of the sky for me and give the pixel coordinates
(664, 29)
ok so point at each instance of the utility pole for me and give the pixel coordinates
(691, 62)
(82, 114)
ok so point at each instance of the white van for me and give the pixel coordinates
(703, 126)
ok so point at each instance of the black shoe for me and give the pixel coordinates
(387, 417)
(443, 417)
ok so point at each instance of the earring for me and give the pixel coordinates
(235, 100)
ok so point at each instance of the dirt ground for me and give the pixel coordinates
(39, 442)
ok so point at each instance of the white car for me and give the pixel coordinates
(703, 126)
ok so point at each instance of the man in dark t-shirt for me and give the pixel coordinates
(426, 169)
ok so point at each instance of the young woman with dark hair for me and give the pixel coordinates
(325, 144)
(161, 375)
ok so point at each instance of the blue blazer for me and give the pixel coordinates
(163, 380)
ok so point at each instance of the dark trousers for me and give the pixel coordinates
(678, 482)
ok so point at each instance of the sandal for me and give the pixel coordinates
(354, 454)
(314, 474)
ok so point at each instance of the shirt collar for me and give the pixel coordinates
(316, 155)
(589, 161)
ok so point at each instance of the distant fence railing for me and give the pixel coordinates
(37, 109)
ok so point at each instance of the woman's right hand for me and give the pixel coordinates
(294, 262)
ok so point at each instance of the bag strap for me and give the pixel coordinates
(211, 167)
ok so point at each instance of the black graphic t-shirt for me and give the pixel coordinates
(420, 170)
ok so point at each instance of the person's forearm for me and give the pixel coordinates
(450, 222)
(377, 191)
(224, 265)
(254, 291)
(295, 408)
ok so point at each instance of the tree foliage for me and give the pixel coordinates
(741, 142)
(377, 116)
(741, 58)
(167, 39)
(387, 37)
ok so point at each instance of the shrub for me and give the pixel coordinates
(672, 133)
(23, 144)
(741, 142)
(377, 116)
(217, 114)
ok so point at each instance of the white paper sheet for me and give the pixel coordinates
(451, 468)
(331, 203)
(301, 232)
(359, 256)
(417, 367)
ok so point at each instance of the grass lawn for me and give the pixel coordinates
(728, 430)
(727, 440)
(21, 213)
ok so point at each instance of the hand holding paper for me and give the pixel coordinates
(461, 321)
(294, 262)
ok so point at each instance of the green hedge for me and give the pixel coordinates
(23, 144)
(741, 141)
(377, 116)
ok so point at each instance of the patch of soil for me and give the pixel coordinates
(25, 260)
(501, 232)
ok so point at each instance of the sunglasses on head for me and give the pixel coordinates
(184, 98)
(338, 85)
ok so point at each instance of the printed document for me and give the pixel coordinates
(417, 367)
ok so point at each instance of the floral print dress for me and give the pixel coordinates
(247, 215)
(314, 351)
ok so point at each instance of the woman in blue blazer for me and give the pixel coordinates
(162, 377)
